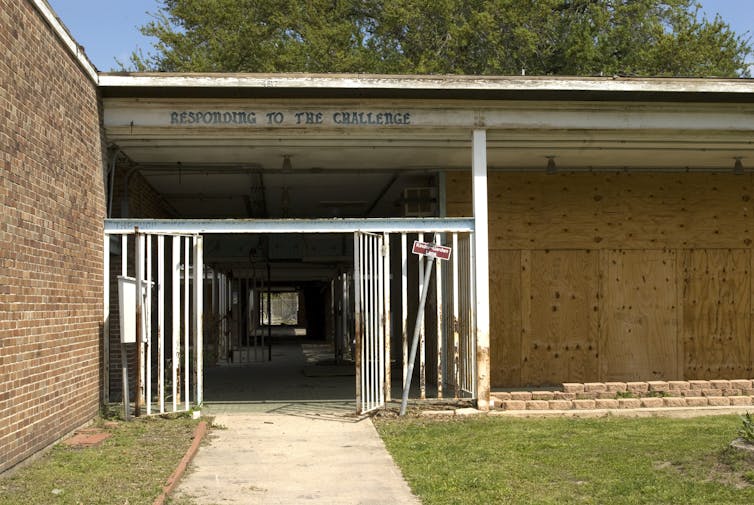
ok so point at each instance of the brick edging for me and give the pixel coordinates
(631, 395)
(175, 477)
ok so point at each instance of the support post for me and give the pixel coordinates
(199, 316)
(176, 323)
(123, 352)
(358, 331)
(161, 321)
(481, 270)
(415, 339)
(138, 274)
(106, 321)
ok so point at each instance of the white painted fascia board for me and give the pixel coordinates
(73, 47)
(412, 82)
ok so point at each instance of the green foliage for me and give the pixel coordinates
(747, 430)
(482, 37)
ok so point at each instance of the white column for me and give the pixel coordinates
(481, 272)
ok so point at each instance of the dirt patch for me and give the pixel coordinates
(87, 437)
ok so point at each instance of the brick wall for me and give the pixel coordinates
(51, 211)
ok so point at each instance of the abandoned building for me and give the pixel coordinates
(571, 230)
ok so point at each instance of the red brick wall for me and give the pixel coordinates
(51, 212)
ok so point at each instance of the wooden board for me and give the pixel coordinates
(638, 332)
(505, 318)
(560, 339)
(716, 313)
(612, 210)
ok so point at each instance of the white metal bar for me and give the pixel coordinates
(124, 256)
(139, 275)
(404, 303)
(482, 269)
(387, 316)
(125, 393)
(439, 306)
(357, 322)
(369, 299)
(456, 323)
(245, 226)
(379, 361)
(186, 327)
(472, 315)
(147, 314)
(106, 321)
(161, 321)
(176, 316)
(199, 315)
(422, 336)
(223, 340)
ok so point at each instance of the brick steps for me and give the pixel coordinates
(631, 395)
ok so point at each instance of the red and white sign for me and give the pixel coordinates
(440, 252)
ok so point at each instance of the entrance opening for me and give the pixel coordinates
(316, 315)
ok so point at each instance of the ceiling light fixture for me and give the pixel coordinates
(738, 166)
(287, 166)
(551, 167)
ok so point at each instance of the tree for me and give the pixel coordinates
(482, 37)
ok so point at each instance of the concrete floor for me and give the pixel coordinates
(289, 437)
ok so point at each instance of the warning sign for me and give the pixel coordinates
(440, 252)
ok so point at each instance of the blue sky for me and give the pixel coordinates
(108, 29)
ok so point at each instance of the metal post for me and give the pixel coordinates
(106, 321)
(161, 321)
(199, 316)
(357, 319)
(386, 315)
(481, 270)
(423, 280)
(176, 316)
(138, 274)
(404, 304)
(456, 323)
(123, 353)
(415, 339)
(186, 327)
(439, 303)
(147, 317)
(269, 313)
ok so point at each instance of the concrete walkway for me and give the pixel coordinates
(289, 458)
(290, 436)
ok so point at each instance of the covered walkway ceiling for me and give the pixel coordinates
(317, 147)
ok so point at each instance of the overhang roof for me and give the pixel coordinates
(299, 85)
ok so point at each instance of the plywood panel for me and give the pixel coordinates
(505, 318)
(560, 340)
(638, 334)
(624, 210)
(716, 313)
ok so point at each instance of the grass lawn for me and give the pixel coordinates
(130, 467)
(494, 460)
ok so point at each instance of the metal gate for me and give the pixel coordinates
(165, 355)
(372, 320)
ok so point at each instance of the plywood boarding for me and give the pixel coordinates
(623, 210)
(560, 331)
(638, 333)
(716, 313)
(505, 318)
